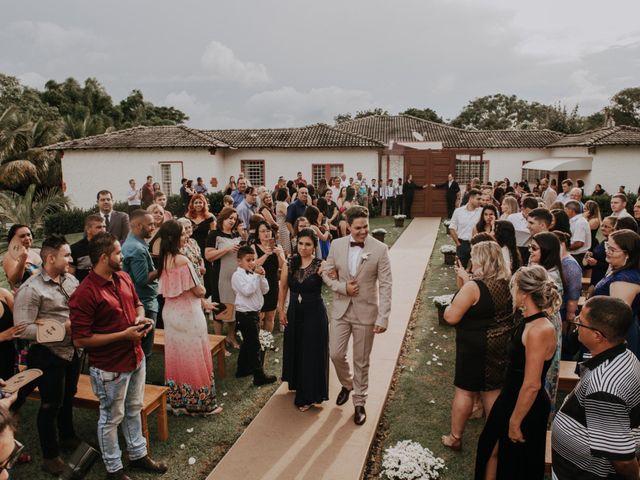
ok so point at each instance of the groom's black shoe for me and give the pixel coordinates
(343, 396)
(360, 416)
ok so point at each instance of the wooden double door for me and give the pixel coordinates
(427, 167)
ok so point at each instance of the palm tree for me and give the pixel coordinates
(31, 208)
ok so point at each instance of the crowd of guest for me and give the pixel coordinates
(133, 273)
(524, 260)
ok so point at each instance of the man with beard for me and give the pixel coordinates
(107, 319)
(139, 265)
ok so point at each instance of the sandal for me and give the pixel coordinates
(452, 442)
(304, 408)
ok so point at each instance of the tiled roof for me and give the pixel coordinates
(313, 136)
(401, 127)
(143, 137)
(619, 135)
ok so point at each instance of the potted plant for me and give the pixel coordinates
(446, 224)
(408, 460)
(449, 252)
(379, 234)
(442, 302)
(398, 220)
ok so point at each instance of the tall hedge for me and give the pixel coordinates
(72, 221)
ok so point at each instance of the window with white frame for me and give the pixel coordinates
(165, 178)
(532, 175)
(326, 171)
(471, 166)
(254, 171)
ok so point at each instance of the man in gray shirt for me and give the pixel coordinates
(45, 296)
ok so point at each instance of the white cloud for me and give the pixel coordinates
(201, 114)
(222, 64)
(587, 92)
(49, 36)
(287, 106)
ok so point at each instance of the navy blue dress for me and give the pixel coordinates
(305, 363)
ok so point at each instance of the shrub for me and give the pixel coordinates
(66, 221)
(215, 202)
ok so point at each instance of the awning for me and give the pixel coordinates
(557, 164)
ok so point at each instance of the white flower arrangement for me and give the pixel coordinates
(448, 249)
(443, 300)
(380, 230)
(408, 460)
(267, 342)
(446, 223)
(399, 216)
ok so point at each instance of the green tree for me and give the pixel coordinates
(500, 111)
(625, 107)
(424, 113)
(32, 207)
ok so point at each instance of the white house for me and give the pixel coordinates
(382, 147)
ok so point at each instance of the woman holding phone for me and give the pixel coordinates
(271, 257)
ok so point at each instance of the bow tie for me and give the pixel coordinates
(248, 272)
(357, 244)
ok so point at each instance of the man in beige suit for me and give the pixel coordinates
(359, 273)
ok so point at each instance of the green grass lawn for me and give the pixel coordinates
(205, 439)
(420, 404)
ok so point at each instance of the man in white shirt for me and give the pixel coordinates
(461, 227)
(566, 188)
(343, 180)
(619, 206)
(335, 188)
(134, 196)
(521, 225)
(249, 284)
(390, 197)
(399, 197)
(580, 231)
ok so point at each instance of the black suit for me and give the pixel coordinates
(118, 225)
(451, 195)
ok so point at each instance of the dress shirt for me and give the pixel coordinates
(107, 306)
(107, 221)
(250, 289)
(389, 191)
(245, 210)
(549, 196)
(398, 190)
(135, 193)
(520, 224)
(238, 197)
(336, 192)
(622, 213)
(138, 264)
(463, 220)
(41, 298)
(295, 210)
(201, 189)
(580, 232)
(355, 253)
(563, 197)
(344, 183)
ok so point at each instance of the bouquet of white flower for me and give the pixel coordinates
(448, 248)
(267, 342)
(408, 460)
(442, 301)
(446, 223)
(379, 230)
(399, 216)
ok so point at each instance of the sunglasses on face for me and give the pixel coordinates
(577, 324)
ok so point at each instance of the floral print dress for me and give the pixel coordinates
(188, 363)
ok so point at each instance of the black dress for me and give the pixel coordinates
(7, 349)
(305, 363)
(271, 267)
(201, 230)
(482, 337)
(522, 461)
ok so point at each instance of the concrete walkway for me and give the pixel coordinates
(324, 443)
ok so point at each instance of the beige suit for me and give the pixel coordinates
(357, 315)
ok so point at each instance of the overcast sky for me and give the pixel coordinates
(262, 63)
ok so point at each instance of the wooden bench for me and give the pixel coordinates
(216, 345)
(547, 454)
(567, 378)
(155, 398)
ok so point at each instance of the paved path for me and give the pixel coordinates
(324, 443)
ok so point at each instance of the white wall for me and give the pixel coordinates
(287, 162)
(85, 172)
(615, 166)
(507, 162)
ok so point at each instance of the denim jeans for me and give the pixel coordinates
(147, 342)
(121, 396)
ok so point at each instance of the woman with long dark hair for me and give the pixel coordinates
(560, 221)
(306, 335)
(545, 251)
(487, 221)
(505, 234)
(21, 260)
(315, 217)
(188, 365)
(272, 258)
